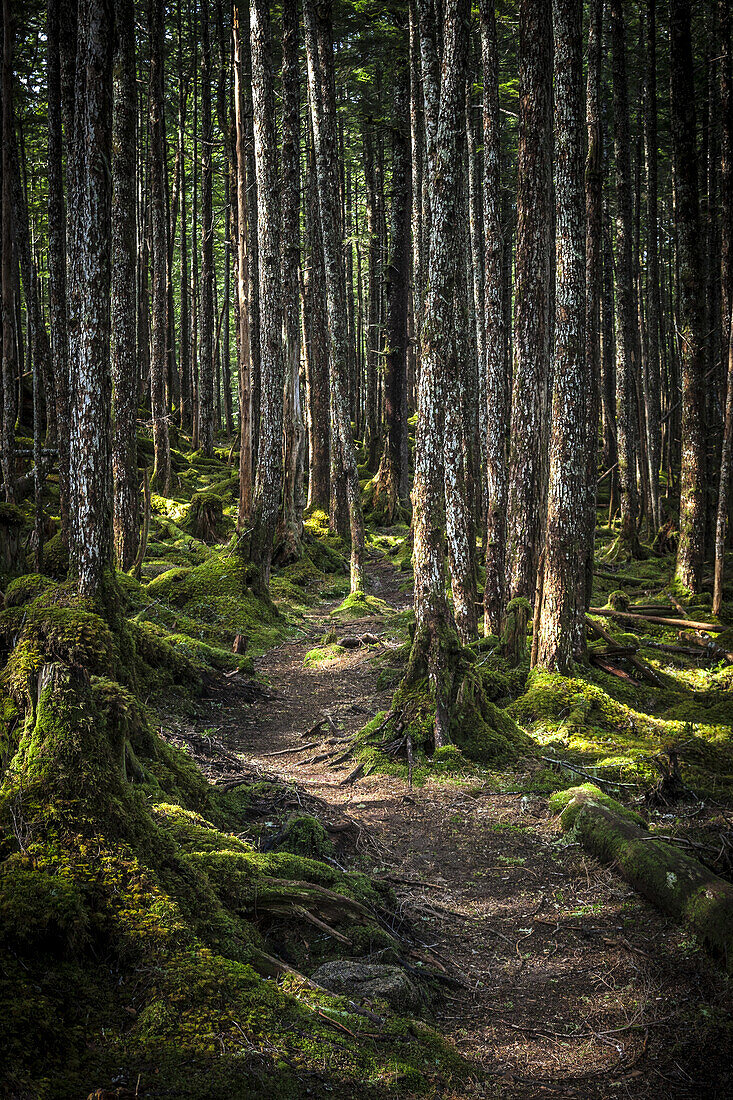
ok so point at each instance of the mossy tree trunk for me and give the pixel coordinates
(124, 357)
(244, 360)
(561, 624)
(652, 386)
(691, 547)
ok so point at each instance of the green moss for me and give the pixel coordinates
(24, 589)
(568, 804)
(55, 558)
(323, 654)
(305, 836)
(361, 606)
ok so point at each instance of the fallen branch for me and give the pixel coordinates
(660, 620)
(635, 662)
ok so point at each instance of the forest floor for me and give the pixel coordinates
(567, 982)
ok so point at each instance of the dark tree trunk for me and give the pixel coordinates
(528, 439)
(319, 48)
(206, 345)
(57, 260)
(691, 545)
(389, 479)
(159, 252)
(626, 314)
(316, 327)
(594, 285)
(9, 361)
(244, 365)
(291, 518)
(495, 366)
(124, 322)
(562, 611)
(653, 306)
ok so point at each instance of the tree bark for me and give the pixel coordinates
(316, 329)
(268, 481)
(91, 428)
(653, 305)
(291, 518)
(206, 345)
(495, 364)
(244, 365)
(57, 260)
(319, 49)
(124, 350)
(386, 499)
(691, 545)
(528, 439)
(561, 626)
(626, 313)
(9, 361)
(159, 253)
(432, 629)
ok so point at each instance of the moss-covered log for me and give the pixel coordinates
(680, 886)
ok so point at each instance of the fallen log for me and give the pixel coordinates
(685, 623)
(673, 881)
(635, 662)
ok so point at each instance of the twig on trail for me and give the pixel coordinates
(586, 775)
(352, 776)
(296, 748)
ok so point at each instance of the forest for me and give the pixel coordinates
(366, 573)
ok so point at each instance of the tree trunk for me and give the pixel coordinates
(626, 314)
(495, 365)
(124, 351)
(9, 362)
(159, 298)
(57, 260)
(244, 366)
(386, 499)
(691, 545)
(316, 325)
(561, 626)
(432, 630)
(291, 518)
(319, 49)
(268, 481)
(206, 345)
(91, 428)
(528, 439)
(724, 482)
(593, 285)
(653, 305)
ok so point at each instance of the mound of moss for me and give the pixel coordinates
(143, 939)
(359, 605)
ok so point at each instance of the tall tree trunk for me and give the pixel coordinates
(268, 482)
(91, 428)
(291, 519)
(374, 291)
(562, 611)
(316, 322)
(124, 357)
(724, 482)
(691, 546)
(206, 346)
(626, 315)
(57, 259)
(653, 305)
(726, 169)
(528, 439)
(159, 236)
(432, 628)
(387, 489)
(495, 365)
(10, 365)
(244, 365)
(593, 285)
(319, 49)
(184, 346)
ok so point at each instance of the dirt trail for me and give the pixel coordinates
(574, 986)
